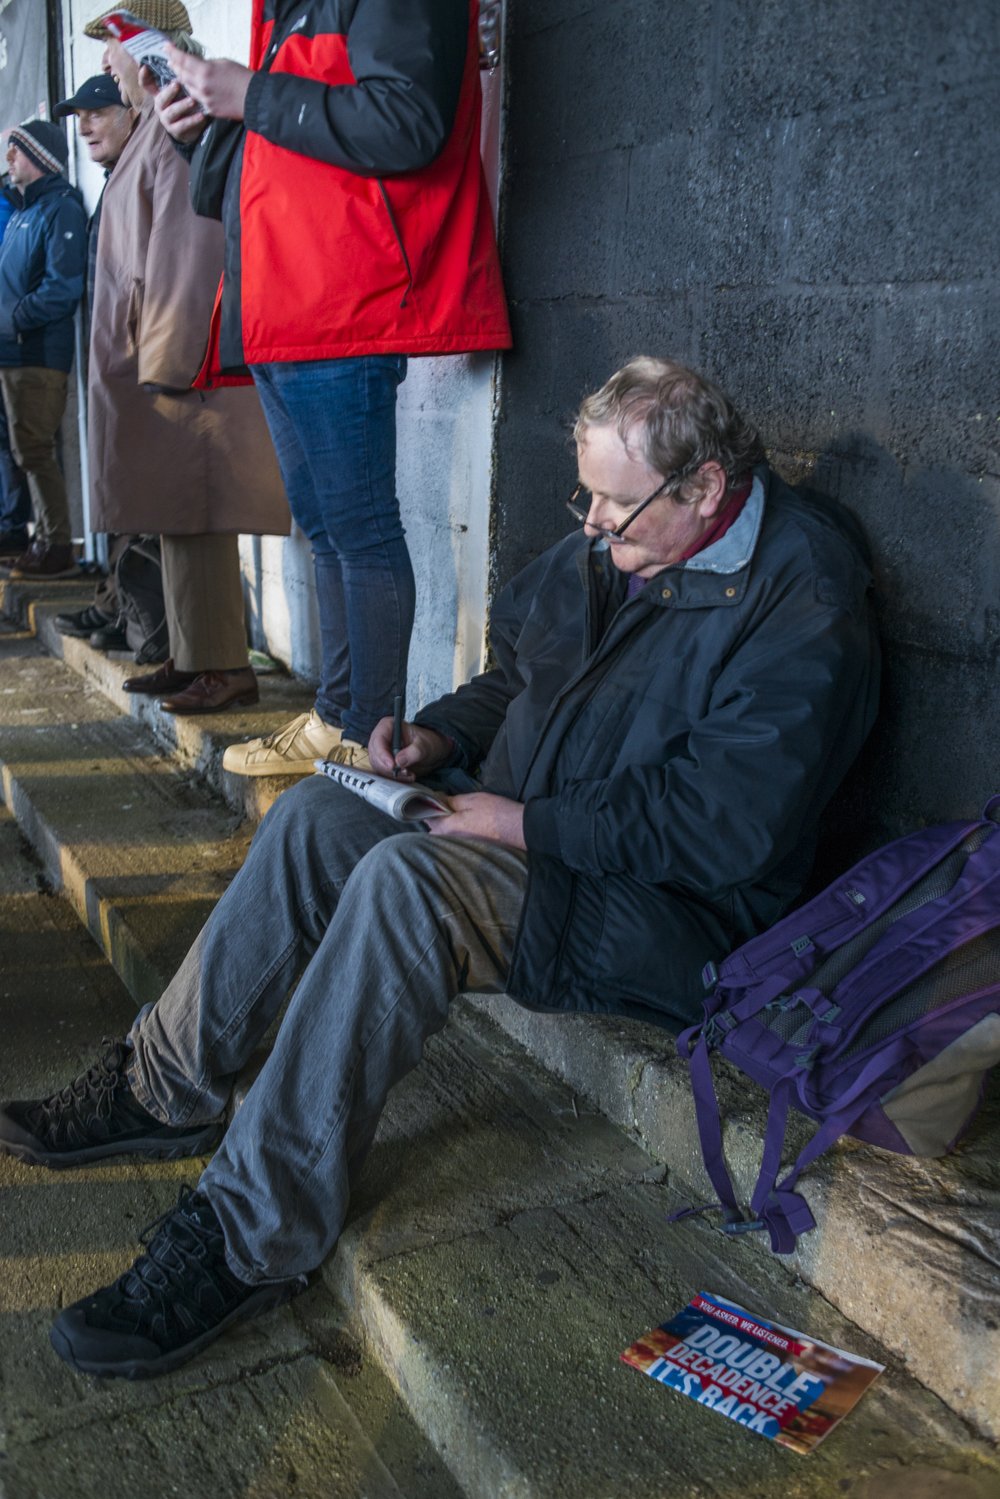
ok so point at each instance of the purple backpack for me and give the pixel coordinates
(874, 1009)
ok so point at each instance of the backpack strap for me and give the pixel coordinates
(784, 1212)
(706, 1105)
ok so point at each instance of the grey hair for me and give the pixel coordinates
(185, 42)
(677, 419)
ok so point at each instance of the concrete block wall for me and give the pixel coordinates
(803, 202)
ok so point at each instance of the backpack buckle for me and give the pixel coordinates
(716, 1028)
(744, 1226)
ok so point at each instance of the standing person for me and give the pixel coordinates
(358, 232)
(104, 124)
(197, 467)
(42, 261)
(15, 501)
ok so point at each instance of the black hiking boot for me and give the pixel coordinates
(96, 1117)
(176, 1299)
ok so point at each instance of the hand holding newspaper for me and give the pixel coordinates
(405, 802)
(143, 42)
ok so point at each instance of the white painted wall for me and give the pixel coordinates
(445, 424)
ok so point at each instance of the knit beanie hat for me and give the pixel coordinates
(43, 142)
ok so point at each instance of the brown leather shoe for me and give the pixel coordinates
(213, 691)
(165, 679)
(42, 561)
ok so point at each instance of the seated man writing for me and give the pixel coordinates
(678, 689)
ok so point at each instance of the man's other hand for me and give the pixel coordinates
(217, 86)
(179, 115)
(480, 814)
(423, 750)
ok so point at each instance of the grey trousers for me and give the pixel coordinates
(203, 601)
(382, 925)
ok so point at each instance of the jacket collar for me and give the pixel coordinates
(733, 551)
(43, 185)
(718, 576)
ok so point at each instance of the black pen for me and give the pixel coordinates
(397, 730)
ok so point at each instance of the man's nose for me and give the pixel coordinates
(596, 518)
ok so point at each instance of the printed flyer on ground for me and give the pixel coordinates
(779, 1383)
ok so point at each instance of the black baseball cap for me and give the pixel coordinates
(97, 93)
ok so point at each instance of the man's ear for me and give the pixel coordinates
(711, 485)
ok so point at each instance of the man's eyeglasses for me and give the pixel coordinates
(581, 512)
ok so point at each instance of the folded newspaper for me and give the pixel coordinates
(145, 43)
(779, 1383)
(404, 800)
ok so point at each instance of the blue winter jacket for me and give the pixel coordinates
(674, 751)
(42, 263)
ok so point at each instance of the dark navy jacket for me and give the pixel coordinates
(673, 751)
(42, 263)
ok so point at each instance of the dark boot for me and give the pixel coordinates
(176, 1299)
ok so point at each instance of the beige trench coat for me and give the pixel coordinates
(165, 458)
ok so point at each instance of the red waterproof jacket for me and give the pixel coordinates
(356, 213)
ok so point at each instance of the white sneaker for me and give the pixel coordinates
(349, 753)
(289, 751)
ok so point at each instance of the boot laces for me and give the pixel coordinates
(94, 1088)
(282, 738)
(183, 1254)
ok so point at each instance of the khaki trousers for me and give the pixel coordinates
(203, 598)
(35, 399)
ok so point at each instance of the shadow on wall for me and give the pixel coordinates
(932, 531)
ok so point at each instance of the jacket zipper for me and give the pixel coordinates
(596, 657)
(399, 240)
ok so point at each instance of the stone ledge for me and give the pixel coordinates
(894, 1233)
(197, 742)
(141, 849)
(505, 1245)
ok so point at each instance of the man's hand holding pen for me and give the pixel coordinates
(474, 814)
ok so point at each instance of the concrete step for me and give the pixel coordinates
(198, 743)
(293, 1405)
(507, 1244)
(503, 1247)
(141, 848)
(908, 1249)
(893, 1236)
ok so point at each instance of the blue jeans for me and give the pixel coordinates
(15, 500)
(383, 926)
(333, 423)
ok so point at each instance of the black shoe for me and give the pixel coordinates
(95, 1117)
(157, 683)
(110, 637)
(82, 624)
(176, 1299)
